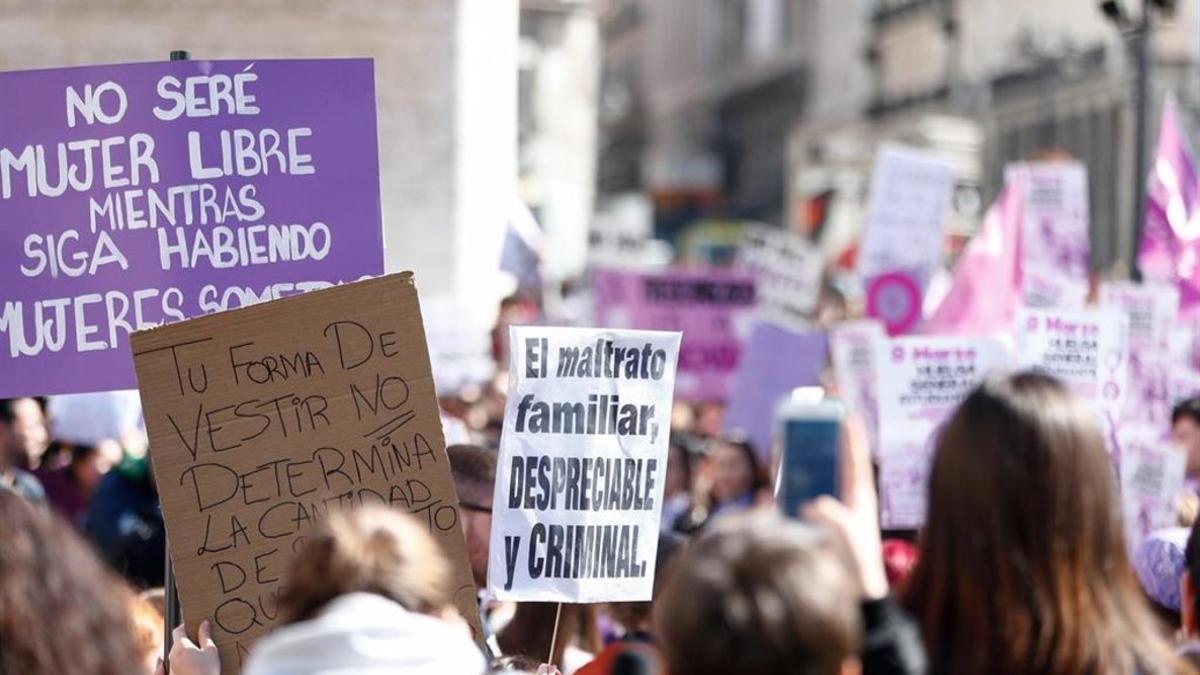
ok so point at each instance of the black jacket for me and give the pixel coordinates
(891, 640)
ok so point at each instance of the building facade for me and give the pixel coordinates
(989, 82)
(445, 82)
(695, 92)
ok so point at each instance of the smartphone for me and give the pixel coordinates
(809, 428)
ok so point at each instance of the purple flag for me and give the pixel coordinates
(136, 195)
(1170, 246)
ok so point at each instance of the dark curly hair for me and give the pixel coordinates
(61, 610)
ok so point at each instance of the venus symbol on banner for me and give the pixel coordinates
(894, 298)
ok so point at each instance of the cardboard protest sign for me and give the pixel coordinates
(1151, 311)
(853, 348)
(776, 361)
(141, 194)
(1055, 250)
(583, 457)
(1087, 350)
(714, 308)
(921, 381)
(911, 194)
(787, 269)
(1152, 478)
(263, 419)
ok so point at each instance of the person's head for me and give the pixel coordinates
(474, 470)
(758, 594)
(736, 470)
(148, 628)
(61, 610)
(89, 463)
(368, 550)
(1185, 431)
(24, 435)
(637, 616)
(1190, 591)
(710, 418)
(678, 478)
(1023, 565)
(1159, 564)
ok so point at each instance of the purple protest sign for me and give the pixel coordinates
(135, 195)
(776, 361)
(713, 308)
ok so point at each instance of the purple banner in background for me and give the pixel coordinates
(713, 307)
(140, 194)
(776, 361)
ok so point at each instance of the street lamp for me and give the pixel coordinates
(1139, 31)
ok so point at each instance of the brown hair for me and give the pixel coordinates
(1023, 566)
(147, 625)
(59, 612)
(474, 470)
(759, 595)
(372, 550)
(531, 631)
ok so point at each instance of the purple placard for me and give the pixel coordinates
(713, 308)
(776, 361)
(191, 187)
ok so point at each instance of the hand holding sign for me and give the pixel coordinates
(265, 419)
(580, 478)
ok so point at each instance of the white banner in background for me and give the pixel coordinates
(1055, 251)
(921, 381)
(853, 348)
(911, 194)
(787, 269)
(1088, 350)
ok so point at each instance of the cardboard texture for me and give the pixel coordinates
(262, 419)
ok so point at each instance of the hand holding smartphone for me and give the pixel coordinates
(809, 428)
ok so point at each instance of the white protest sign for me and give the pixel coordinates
(853, 347)
(1151, 310)
(621, 231)
(1087, 350)
(1152, 477)
(1054, 231)
(583, 458)
(787, 268)
(921, 380)
(911, 194)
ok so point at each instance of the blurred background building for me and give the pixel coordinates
(772, 109)
(445, 83)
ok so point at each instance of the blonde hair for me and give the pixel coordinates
(147, 622)
(371, 550)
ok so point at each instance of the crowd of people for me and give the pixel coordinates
(1022, 567)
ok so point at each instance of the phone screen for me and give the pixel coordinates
(810, 461)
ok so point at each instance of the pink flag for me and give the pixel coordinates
(986, 291)
(1170, 246)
